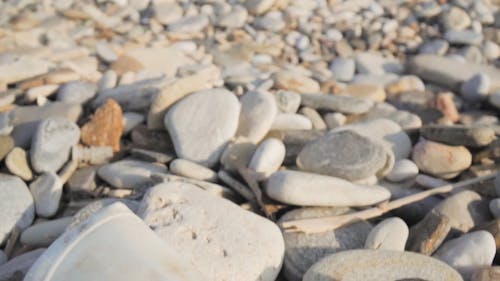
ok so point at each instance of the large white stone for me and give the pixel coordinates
(16, 205)
(202, 124)
(221, 239)
(258, 110)
(114, 245)
(307, 189)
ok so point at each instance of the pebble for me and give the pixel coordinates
(403, 170)
(268, 157)
(455, 18)
(167, 12)
(234, 19)
(469, 252)
(189, 24)
(258, 111)
(308, 189)
(303, 250)
(189, 218)
(287, 101)
(130, 120)
(22, 68)
(6, 145)
(402, 266)
(463, 37)
(193, 121)
(129, 173)
(495, 207)
(83, 181)
(46, 191)
(383, 131)
(317, 121)
(389, 234)
(292, 81)
(105, 128)
(52, 143)
(105, 52)
(17, 163)
(151, 156)
(441, 160)
(490, 50)
(78, 92)
(428, 234)
(44, 233)
(237, 154)
(291, 121)
(476, 88)
(372, 63)
(472, 136)
(3, 258)
(342, 104)
(335, 120)
(343, 69)
(119, 227)
(406, 83)
(486, 274)
(345, 154)
(16, 203)
(192, 170)
(375, 93)
(259, 7)
(434, 47)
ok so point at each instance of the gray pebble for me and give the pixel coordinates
(44, 233)
(129, 173)
(76, 92)
(46, 190)
(343, 69)
(476, 88)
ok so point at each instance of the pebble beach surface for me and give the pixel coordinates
(226, 140)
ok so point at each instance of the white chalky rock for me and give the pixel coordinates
(403, 169)
(223, 241)
(123, 239)
(291, 121)
(202, 124)
(129, 173)
(189, 169)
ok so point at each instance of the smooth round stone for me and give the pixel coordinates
(441, 160)
(334, 120)
(293, 81)
(202, 124)
(476, 88)
(234, 19)
(389, 234)
(403, 170)
(131, 120)
(237, 154)
(372, 92)
(385, 131)
(344, 154)
(129, 173)
(469, 252)
(6, 145)
(76, 92)
(268, 157)
(46, 190)
(189, 24)
(192, 170)
(308, 189)
(44, 233)
(343, 69)
(405, 84)
(259, 7)
(303, 250)
(167, 12)
(403, 118)
(463, 37)
(17, 163)
(272, 21)
(494, 99)
(208, 230)
(495, 207)
(373, 63)
(287, 101)
(51, 144)
(258, 110)
(490, 50)
(291, 121)
(16, 204)
(455, 18)
(105, 52)
(376, 265)
(435, 47)
(342, 104)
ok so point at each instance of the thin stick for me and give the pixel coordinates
(329, 223)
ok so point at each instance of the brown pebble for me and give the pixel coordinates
(126, 64)
(444, 103)
(487, 274)
(106, 127)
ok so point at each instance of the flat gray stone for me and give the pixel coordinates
(463, 37)
(468, 253)
(224, 241)
(403, 170)
(376, 265)
(17, 267)
(44, 233)
(16, 204)
(47, 191)
(202, 124)
(474, 136)
(345, 154)
(258, 110)
(304, 250)
(449, 72)
(308, 189)
(78, 92)
(52, 143)
(343, 69)
(476, 88)
(129, 173)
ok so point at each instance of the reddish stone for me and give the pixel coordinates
(106, 126)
